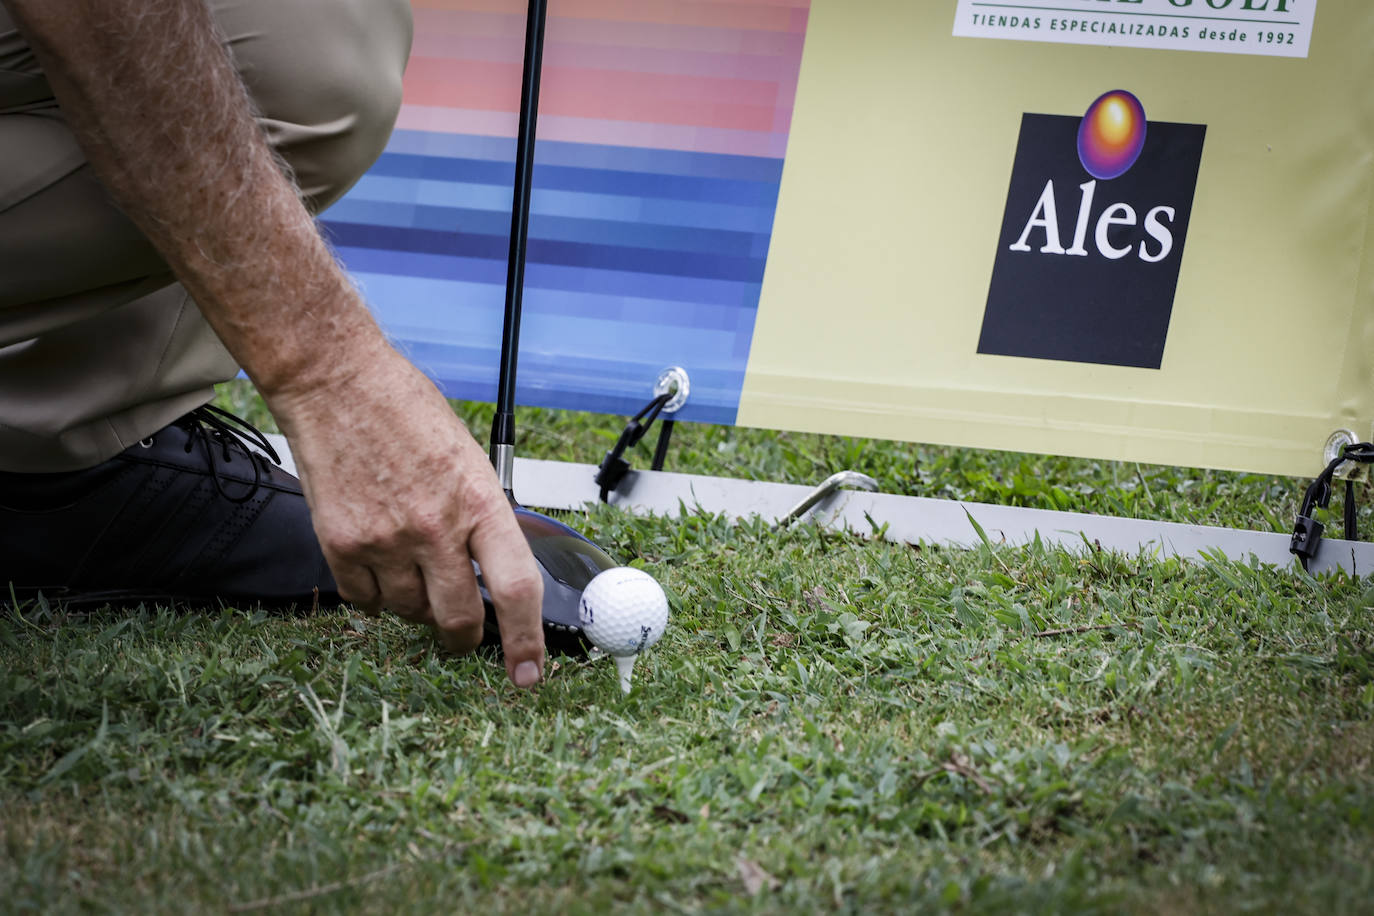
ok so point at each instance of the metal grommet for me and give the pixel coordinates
(1336, 443)
(1335, 446)
(674, 381)
(146, 443)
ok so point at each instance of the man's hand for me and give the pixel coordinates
(402, 508)
(402, 497)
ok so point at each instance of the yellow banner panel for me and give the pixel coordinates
(1136, 231)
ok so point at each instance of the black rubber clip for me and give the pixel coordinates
(1307, 531)
(614, 467)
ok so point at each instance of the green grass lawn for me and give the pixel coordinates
(829, 724)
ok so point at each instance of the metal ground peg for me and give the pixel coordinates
(828, 488)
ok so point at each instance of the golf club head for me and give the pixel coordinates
(567, 562)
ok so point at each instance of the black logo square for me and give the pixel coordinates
(1086, 268)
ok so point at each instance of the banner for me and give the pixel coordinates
(1032, 237)
(661, 134)
(1128, 229)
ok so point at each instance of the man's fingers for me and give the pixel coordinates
(403, 592)
(356, 585)
(455, 604)
(512, 579)
(407, 540)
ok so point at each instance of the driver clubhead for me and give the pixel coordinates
(567, 562)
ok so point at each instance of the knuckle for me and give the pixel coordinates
(351, 546)
(343, 547)
(429, 526)
(481, 499)
(523, 588)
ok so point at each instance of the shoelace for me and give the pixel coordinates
(220, 430)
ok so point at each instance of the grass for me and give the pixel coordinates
(830, 724)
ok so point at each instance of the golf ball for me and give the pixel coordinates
(623, 611)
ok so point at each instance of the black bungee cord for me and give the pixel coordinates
(614, 467)
(1307, 531)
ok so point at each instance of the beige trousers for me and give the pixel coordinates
(99, 346)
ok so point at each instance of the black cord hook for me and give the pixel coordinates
(614, 467)
(1307, 531)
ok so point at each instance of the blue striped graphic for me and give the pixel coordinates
(638, 259)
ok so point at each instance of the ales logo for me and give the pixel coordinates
(1092, 237)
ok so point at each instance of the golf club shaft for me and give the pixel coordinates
(502, 451)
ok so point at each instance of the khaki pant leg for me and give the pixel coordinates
(99, 347)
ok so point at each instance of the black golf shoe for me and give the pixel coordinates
(189, 514)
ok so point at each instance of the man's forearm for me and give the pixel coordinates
(167, 126)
